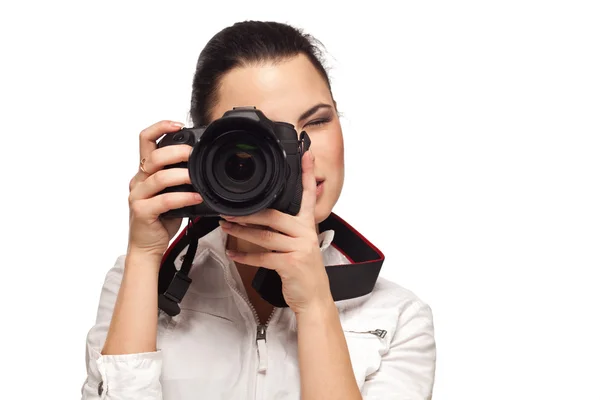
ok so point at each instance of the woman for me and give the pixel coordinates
(316, 348)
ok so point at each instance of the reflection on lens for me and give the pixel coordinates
(240, 166)
(243, 146)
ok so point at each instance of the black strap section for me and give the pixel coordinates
(173, 284)
(348, 240)
(346, 281)
(358, 278)
(186, 265)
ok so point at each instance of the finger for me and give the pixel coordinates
(137, 179)
(309, 185)
(149, 135)
(262, 237)
(168, 155)
(160, 158)
(157, 205)
(272, 218)
(263, 259)
(160, 181)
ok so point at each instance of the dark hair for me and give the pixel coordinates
(244, 43)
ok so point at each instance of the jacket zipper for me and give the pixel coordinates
(261, 341)
(261, 333)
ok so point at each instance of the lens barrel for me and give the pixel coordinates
(240, 168)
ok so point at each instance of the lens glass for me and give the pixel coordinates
(238, 169)
(240, 166)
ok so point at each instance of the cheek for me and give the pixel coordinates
(336, 154)
(328, 148)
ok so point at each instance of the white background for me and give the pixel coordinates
(473, 162)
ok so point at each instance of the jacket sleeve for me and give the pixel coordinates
(117, 377)
(407, 370)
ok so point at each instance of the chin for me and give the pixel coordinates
(321, 216)
(323, 209)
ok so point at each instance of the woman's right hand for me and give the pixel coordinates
(147, 232)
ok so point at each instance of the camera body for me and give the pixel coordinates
(240, 164)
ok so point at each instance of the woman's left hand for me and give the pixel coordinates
(297, 257)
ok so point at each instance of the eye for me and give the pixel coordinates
(319, 122)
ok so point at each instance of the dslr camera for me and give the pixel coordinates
(240, 164)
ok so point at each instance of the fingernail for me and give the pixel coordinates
(225, 224)
(177, 124)
(197, 197)
(231, 253)
(227, 217)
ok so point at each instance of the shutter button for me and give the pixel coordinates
(100, 389)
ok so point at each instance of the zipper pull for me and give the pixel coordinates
(379, 332)
(261, 341)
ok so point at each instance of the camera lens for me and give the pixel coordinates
(240, 166)
(179, 137)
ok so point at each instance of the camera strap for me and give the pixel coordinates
(346, 281)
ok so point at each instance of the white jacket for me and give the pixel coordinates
(211, 351)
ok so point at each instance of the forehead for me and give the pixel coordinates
(282, 91)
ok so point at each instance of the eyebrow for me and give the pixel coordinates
(313, 110)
